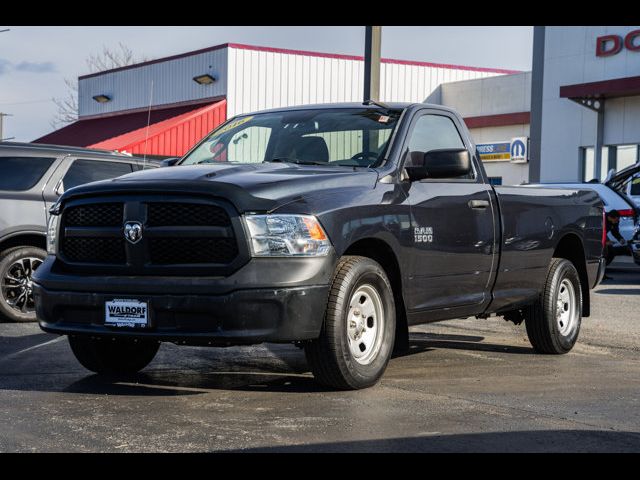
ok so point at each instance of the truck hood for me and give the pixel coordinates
(250, 187)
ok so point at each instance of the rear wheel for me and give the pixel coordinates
(553, 322)
(359, 327)
(16, 291)
(112, 357)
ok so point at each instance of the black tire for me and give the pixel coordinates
(16, 299)
(107, 356)
(330, 357)
(544, 328)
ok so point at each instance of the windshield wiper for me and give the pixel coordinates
(294, 160)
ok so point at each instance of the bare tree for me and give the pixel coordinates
(106, 60)
(67, 106)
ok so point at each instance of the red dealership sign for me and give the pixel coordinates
(608, 45)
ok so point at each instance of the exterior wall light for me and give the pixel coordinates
(205, 79)
(102, 98)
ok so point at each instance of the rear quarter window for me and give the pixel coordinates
(18, 174)
(84, 171)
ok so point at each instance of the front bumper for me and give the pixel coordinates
(277, 300)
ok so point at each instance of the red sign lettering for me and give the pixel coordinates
(629, 41)
(608, 45)
(602, 49)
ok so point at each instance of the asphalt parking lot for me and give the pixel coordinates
(466, 385)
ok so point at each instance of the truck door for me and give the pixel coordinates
(453, 225)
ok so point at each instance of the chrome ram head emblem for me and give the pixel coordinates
(133, 231)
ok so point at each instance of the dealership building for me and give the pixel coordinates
(579, 107)
(574, 117)
(185, 96)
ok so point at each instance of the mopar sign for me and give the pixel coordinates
(515, 151)
(518, 150)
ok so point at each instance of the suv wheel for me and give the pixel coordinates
(16, 292)
(357, 336)
(113, 356)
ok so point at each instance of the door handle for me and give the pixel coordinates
(478, 204)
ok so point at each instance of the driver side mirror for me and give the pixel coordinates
(442, 163)
(169, 162)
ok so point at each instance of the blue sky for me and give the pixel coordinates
(34, 61)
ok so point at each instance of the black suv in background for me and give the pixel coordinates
(32, 177)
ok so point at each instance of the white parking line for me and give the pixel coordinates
(49, 342)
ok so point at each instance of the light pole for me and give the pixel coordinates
(2, 115)
(372, 43)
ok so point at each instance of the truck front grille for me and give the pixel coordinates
(101, 214)
(181, 214)
(172, 251)
(178, 236)
(95, 250)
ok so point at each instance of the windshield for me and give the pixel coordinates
(330, 137)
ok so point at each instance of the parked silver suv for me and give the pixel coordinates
(32, 177)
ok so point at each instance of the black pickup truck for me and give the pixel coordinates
(335, 227)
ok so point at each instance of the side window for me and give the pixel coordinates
(85, 171)
(432, 132)
(18, 174)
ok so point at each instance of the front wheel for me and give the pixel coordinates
(553, 322)
(113, 357)
(357, 336)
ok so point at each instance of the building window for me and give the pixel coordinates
(614, 157)
(626, 156)
(588, 164)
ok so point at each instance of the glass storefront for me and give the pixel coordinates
(614, 157)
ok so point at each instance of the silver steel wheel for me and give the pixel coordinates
(566, 308)
(365, 324)
(17, 287)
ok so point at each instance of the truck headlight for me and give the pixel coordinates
(52, 234)
(286, 236)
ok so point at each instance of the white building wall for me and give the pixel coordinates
(260, 80)
(257, 79)
(511, 173)
(488, 96)
(570, 58)
(172, 83)
(492, 96)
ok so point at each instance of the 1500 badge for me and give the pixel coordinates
(423, 234)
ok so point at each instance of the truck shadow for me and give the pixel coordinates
(290, 374)
(268, 368)
(618, 291)
(518, 441)
(421, 342)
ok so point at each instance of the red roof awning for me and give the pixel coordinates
(172, 137)
(90, 131)
(619, 87)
